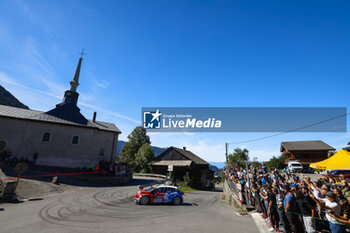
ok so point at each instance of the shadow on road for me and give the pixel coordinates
(35, 199)
(188, 204)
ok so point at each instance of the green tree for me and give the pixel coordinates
(143, 156)
(137, 138)
(237, 158)
(255, 163)
(276, 162)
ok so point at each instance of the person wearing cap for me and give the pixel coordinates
(294, 186)
(264, 168)
(331, 206)
(345, 218)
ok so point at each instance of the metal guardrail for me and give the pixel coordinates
(151, 175)
(240, 192)
(232, 186)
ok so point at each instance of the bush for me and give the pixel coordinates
(188, 181)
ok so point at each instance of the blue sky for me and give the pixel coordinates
(180, 54)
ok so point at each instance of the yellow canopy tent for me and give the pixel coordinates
(338, 161)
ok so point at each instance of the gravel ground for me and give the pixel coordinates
(37, 189)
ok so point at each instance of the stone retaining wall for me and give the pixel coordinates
(6, 187)
(231, 197)
(105, 180)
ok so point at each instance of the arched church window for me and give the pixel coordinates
(2, 145)
(46, 137)
(102, 152)
(75, 139)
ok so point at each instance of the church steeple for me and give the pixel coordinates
(68, 109)
(71, 96)
(75, 81)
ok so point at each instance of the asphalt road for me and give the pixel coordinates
(113, 210)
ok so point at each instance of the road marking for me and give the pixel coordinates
(260, 223)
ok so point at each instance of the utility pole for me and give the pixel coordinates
(226, 153)
(246, 152)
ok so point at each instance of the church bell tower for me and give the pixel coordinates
(68, 109)
(71, 96)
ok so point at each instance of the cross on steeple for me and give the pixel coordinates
(82, 53)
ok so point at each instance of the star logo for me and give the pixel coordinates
(151, 120)
(156, 115)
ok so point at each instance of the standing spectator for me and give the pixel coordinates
(280, 210)
(338, 194)
(261, 200)
(291, 210)
(332, 207)
(35, 157)
(345, 219)
(255, 193)
(272, 209)
(345, 190)
(307, 209)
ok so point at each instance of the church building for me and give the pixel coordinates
(61, 137)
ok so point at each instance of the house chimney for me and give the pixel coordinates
(184, 147)
(94, 117)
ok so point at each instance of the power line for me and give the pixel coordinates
(289, 131)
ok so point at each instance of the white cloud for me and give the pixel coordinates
(209, 152)
(97, 82)
(263, 155)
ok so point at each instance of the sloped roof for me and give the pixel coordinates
(186, 153)
(68, 112)
(26, 114)
(305, 145)
(178, 163)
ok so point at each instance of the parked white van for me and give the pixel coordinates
(294, 166)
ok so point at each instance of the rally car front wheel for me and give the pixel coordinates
(144, 200)
(177, 201)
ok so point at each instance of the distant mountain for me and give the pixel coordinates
(219, 165)
(215, 169)
(157, 150)
(6, 98)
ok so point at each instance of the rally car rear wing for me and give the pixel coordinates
(150, 185)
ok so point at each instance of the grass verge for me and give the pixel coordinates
(186, 189)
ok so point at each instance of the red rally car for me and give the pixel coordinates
(163, 194)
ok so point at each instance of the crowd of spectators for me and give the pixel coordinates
(295, 204)
(7, 159)
(112, 168)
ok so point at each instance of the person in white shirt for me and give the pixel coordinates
(331, 206)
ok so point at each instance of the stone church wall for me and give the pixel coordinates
(24, 137)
